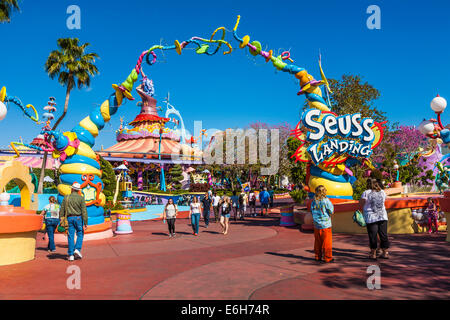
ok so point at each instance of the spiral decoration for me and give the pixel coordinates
(334, 175)
(79, 162)
(4, 98)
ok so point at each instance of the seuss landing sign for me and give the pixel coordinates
(329, 139)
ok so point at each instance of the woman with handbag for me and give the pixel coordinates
(226, 213)
(170, 215)
(51, 218)
(376, 218)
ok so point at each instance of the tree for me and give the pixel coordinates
(406, 142)
(109, 179)
(350, 95)
(73, 67)
(284, 129)
(176, 176)
(298, 169)
(6, 9)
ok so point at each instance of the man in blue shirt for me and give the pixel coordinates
(271, 194)
(264, 197)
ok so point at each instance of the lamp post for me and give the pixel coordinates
(162, 178)
(396, 167)
(433, 128)
(397, 183)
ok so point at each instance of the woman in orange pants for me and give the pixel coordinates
(322, 209)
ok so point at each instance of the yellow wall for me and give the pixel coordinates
(17, 247)
(343, 223)
(20, 174)
(400, 222)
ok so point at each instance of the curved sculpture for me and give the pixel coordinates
(172, 111)
(19, 173)
(80, 163)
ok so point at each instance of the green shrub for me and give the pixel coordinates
(299, 196)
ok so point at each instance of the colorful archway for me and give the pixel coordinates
(20, 174)
(79, 163)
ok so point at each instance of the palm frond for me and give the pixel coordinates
(71, 64)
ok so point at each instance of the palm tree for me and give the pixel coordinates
(74, 68)
(6, 8)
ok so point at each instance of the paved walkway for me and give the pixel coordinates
(257, 260)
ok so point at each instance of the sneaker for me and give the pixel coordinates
(196, 234)
(173, 235)
(51, 251)
(78, 254)
(71, 258)
(170, 235)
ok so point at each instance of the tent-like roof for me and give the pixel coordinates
(122, 167)
(138, 147)
(148, 117)
(33, 162)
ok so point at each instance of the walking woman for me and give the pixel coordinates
(252, 203)
(170, 215)
(226, 213)
(51, 218)
(376, 218)
(194, 215)
(322, 209)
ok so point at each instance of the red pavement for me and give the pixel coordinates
(257, 260)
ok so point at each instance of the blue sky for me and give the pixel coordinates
(407, 60)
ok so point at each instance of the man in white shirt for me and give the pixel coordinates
(216, 205)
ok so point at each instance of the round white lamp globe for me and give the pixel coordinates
(396, 166)
(438, 104)
(3, 111)
(426, 127)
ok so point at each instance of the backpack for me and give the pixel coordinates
(227, 209)
(358, 218)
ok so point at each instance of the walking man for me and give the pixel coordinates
(73, 208)
(216, 206)
(264, 199)
(271, 195)
(235, 204)
(206, 209)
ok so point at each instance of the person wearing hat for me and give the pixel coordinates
(73, 208)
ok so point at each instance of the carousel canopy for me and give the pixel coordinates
(122, 167)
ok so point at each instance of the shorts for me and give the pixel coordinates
(226, 215)
(265, 205)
